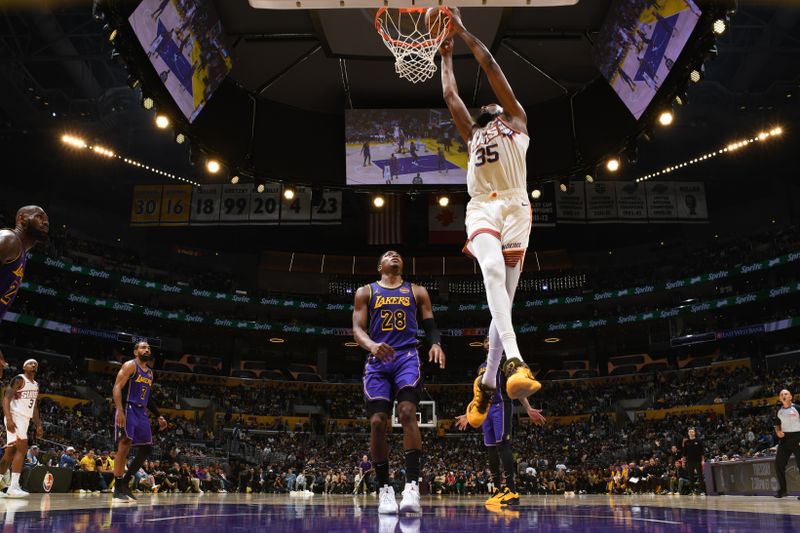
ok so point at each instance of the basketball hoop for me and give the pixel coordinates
(412, 40)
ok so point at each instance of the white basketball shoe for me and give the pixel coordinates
(410, 502)
(388, 502)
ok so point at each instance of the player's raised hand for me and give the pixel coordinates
(383, 351)
(436, 355)
(446, 48)
(455, 15)
(536, 416)
(461, 422)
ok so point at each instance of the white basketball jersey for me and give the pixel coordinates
(25, 398)
(496, 159)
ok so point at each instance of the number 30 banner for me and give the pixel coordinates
(228, 204)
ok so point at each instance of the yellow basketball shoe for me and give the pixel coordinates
(496, 496)
(478, 408)
(509, 497)
(520, 383)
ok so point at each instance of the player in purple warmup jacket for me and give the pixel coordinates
(385, 324)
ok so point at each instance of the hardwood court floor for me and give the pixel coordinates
(319, 513)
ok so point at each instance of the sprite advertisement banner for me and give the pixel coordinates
(170, 288)
(194, 318)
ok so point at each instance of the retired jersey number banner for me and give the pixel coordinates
(232, 204)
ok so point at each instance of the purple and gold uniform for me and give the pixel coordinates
(137, 422)
(393, 320)
(497, 426)
(11, 275)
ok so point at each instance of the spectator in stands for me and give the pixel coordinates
(32, 458)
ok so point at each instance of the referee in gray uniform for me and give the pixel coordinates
(787, 428)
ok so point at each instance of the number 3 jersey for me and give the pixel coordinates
(25, 398)
(393, 316)
(11, 275)
(496, 159)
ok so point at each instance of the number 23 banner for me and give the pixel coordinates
(228, 204)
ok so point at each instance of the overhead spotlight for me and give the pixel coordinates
(148, 103)
(589, 178)
(378, 201)
(288, 193)
(536, 194)
(563, 184)
(444, 201)
(613, 164)
(260, 187)
(133, 81)
(682, 99)
(696, 75)
(666, 118)
(180, 138)
(162, 121)
(776, 131)
(113, 35)
(213, 166)
(719, 26)
(234, 180)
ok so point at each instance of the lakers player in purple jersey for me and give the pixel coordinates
(31, 227)
(497, 437)
(132, 400)
(385, 324)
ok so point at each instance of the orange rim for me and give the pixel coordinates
(404, 44)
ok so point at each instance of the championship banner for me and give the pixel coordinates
(692, 201)
(206, 202)
(265, 206)
(236, 202)
(544, 207)
(176, 202)
(631, 202)
(446, 225)
(297, 211)
(571, 205)
(601, 202)
(661, 201)
(327, 209)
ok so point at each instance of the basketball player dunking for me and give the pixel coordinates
(385, 324)
(19, 406)
(497, 438)
(132, 400)
(32, 226)
(498, 214)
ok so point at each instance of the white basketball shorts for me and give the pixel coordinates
(506, 215)
(20, 432)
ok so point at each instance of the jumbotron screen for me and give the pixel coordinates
(403, 147)
(183, 40)
(639, 44)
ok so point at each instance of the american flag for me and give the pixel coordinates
(386, 223)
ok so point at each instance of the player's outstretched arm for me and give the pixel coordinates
(454, 102)
(382, 351)
(534, 414)
(432, 335)
(500, 86)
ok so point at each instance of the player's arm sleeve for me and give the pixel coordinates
(152, 407)
(426, 312)
(431, 331)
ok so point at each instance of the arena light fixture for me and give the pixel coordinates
(696, 75)
(113, 35)
(180, 138)
(102, 151)
(260, 188)
(288, 193)
(162, 121)
(378, 201)
(351, 344)
(148, 103)
(213, 166)
(444, 201)
(666, 117)
(536, 194)
(589, 178)
(71, 140)
(277, 340)
(735, 146)
(552, 340)
(612, 164)
(476, 344)
(563, 184)
(234, 180)
(719, 26)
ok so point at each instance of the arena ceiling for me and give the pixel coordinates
(55, 58)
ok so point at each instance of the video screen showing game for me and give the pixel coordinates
(403, 147)
(639, 44)
(184, 41)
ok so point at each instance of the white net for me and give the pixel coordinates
(413, 38)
